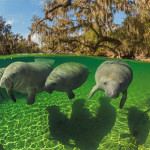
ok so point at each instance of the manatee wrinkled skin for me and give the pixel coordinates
(66, 77)
(27, 78)
(113, 77)
(1, 74)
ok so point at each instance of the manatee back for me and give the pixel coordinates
(9, 73)
(115, 69)
(16, 68)
(117, 62)
(48, 62)
(25, 75)
(30, 69)
(42, 66)
(70, 75)
(13, 68)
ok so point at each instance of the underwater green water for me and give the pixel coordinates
(56, 123)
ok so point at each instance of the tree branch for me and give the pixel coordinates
(111, 40)
(99, 26)
(45, 18)
(112, 49)
(91, 26)
(75, 40)
(66, 4)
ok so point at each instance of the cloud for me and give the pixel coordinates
(11, 21)
(38, 2)
(36, 38)
(41, 2)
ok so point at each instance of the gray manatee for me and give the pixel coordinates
(1, 74)
(66, 77)
(27, 78)
(113, 77)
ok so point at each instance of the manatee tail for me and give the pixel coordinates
(95, 88)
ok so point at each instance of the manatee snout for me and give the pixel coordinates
(112, 94)
(112, 90)
(49, 86)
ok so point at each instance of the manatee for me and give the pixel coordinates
(1, 74)
(26, 78)
(113, 77)
(66, 77)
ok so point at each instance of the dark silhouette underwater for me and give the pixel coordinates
(85, 130)
(139, 126)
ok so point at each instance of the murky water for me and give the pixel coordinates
(57, 123)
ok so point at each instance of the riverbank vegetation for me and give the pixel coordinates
(86, 27)
(11, 43)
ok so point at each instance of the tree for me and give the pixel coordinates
(70, 18)
(13, 43)
(135, 36)
(67, 22)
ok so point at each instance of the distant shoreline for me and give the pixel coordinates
(146, 60)
(143, 59)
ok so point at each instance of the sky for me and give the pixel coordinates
(18, 13)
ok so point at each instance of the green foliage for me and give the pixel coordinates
(11, 43)
(71, 20)
(91, 36)
(86, 27)
(135, 36)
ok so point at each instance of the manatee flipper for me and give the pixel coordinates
(95, 88)
(70, 94)
(1, 95)
(11, 95)
(123, 100)
(31, 97)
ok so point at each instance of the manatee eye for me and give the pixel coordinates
(104, 83)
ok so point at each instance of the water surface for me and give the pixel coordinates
(57, 123)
